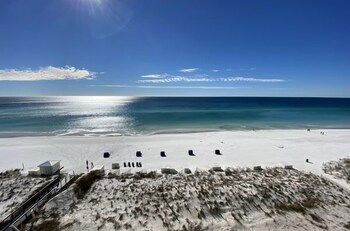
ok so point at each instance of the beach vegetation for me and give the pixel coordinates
(311, 203)
(298, 208)
(316, 218)
(112, 220)
(347, 226)
(84, 183)
(97, 216)
(215, 210)
(49, 225)
(162, 200)
(347, 162)
(146, 175)
(69, 224)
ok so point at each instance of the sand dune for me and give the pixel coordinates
(237, 199)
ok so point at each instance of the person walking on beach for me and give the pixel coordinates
(92, 165)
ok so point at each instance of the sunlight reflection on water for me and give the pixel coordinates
(96, 115)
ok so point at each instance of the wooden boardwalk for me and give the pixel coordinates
(31, 205)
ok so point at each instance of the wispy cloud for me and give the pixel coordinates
(189, 70)
(154, 76)
(165, 87)
(245, 79)
(215, 70)
(248, 69)
(46, 73)
(173, 79)
(176, 79)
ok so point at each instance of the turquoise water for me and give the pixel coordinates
(149, 115)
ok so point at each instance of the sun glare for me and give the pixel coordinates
(102, 17)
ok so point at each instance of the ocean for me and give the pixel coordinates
(114, 115)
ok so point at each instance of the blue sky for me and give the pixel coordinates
(175, 47)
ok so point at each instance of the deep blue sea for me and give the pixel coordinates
(95, 115)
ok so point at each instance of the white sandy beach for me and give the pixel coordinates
(239, 149)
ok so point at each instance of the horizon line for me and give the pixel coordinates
(189, 96)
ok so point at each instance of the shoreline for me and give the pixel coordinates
(24, 134)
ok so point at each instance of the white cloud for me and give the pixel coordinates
(189, 70)
(46, 73)
(166, 87)
(216, 70)
(155, 76)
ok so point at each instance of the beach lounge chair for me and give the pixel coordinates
(258, 168)
(168, 171)
(140, 165)
(129, 165)
(289, 167)
(106, 155)
(124, 165)
(133, 165)
(190, 152)
(138, 154)
(217, 152)
(115, 166)
(217, 169)
(162, 154)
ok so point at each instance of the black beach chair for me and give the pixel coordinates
(140, 165)
(162, 154)
(106, 155)
(124, 165)
(133, 165)
(217, 152)
(138, 154)
(129, 165)
(190, 152)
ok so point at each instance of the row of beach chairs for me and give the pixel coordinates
(162, 153)
(190, 153)
(132, 164)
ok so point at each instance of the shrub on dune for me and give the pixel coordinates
(84, 183)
